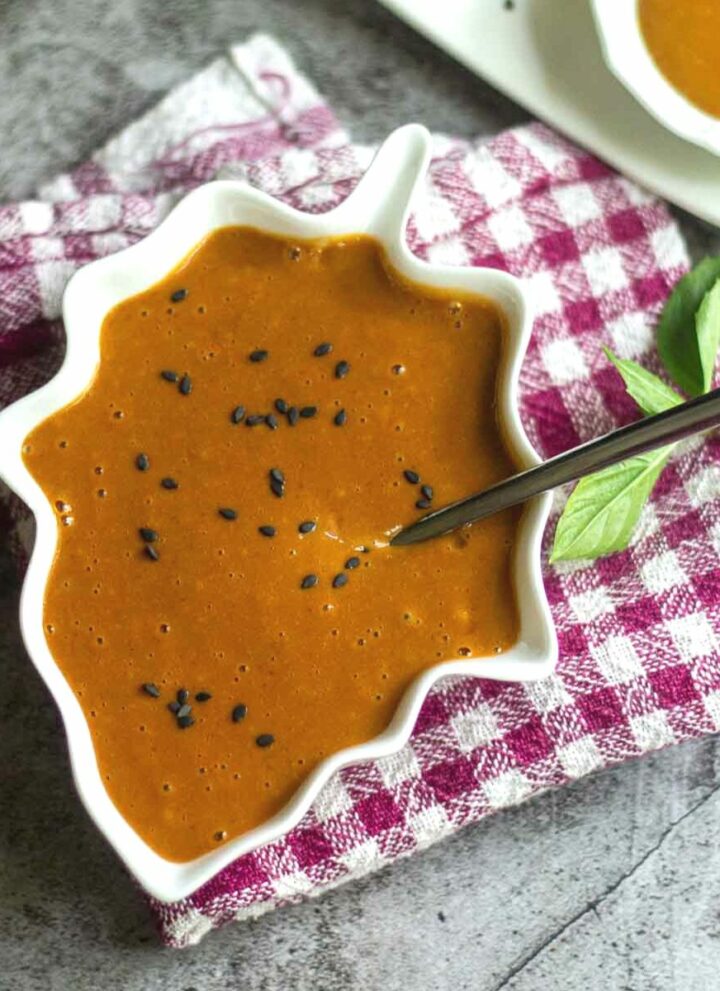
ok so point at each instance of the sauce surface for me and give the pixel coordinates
(683, 37)
(202, 600)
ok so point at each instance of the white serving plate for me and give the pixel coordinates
(546, 55)
(379, 206)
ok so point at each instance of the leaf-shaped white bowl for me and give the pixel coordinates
(379, 207)
(628, 58)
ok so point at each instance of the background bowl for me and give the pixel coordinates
(630, 61)
(378, 206)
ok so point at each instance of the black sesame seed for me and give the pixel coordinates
(174, 707)
(293, 415)
(307, 526)
(255, 420)
(259, 355)
(265, 740)
(423, 504)
(142, 462)
(184, 722)
(322, 349)
(239, 712)
(271, 421)
(340, 580)
(266, 530)
(169, 375)
(309, 581)
(227, 513)
(281, 406)
(340, 418)
(237, 414)
(202, 696)
(307, 412)
(185, 386)
(169, 483)
(148, 535)
(352, 562)
(184, 710)
(411, 476)
(151, 689)
(151, 552)
(179, 295)
(183, 695)
(427, 491)
(341, 369)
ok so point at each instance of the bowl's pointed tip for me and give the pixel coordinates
(413, 129)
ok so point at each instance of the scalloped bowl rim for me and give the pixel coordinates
(628, 58)
(378, 206)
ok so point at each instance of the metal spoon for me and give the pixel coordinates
(644, 435)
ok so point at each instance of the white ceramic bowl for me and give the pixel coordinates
(630, 61)
(378, 206)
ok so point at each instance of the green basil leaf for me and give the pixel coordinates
(604, 507)
(707, 328)
(650, 392)
(681, 352)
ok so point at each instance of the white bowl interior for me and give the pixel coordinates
(378, 206)
(629, 59)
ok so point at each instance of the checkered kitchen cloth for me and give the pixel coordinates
(639, 631)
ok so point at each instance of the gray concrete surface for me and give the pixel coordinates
(613, 883)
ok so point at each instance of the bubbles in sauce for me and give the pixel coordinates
(220, 608)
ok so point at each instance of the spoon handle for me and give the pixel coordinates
(644, 435)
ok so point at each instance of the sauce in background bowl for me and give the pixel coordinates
(662, 53)
(683, 39)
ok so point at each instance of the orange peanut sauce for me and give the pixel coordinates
(684, 41)
(222, 610)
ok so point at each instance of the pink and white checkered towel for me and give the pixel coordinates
(639, 631)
